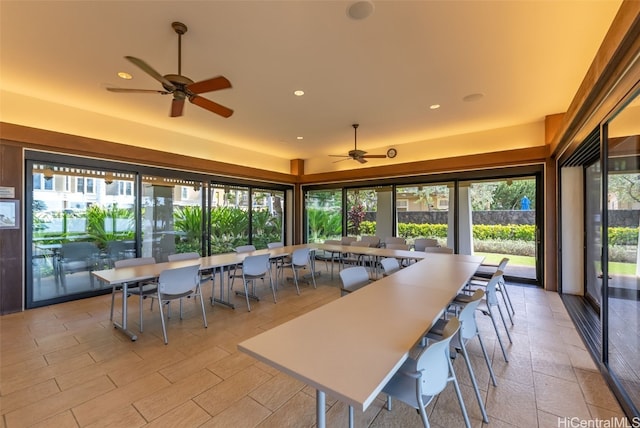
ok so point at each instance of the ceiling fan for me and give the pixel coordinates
(355, 154)
(181, 86)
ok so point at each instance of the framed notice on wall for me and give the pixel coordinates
(9, 214)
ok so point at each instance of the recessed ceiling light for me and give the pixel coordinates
(434, 106)
(473, 97)
(298, 93)
(300, 138)
(360, 10)
(124, 75)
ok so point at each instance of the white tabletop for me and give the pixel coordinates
(350, 347)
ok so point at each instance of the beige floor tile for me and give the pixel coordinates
(187, 415)
(595, 390)
(299, 411)
(276, 391)
(100, 407)
(61, 420)
(512, 402)
(179, 392)
(221, 396)
(559, 396)
(65, 365)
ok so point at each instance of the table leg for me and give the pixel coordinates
(320, 409)
(123, 326)
(222, 299)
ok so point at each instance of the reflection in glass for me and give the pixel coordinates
(623, 214)
(82, 220)
(171, 216)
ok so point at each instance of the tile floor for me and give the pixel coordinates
(66, 366)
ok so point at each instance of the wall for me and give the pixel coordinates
(11, 249)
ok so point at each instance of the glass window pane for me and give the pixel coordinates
(503, 223)
(267, 217)
(229, 217)
(75, 232)
(171, 220)
(324, 215)
(623, 281)
(423, 211)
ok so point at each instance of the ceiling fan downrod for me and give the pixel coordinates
(355, 136)
(180, 29)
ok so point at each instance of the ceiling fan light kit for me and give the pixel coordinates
(360, 155)
(182, 87)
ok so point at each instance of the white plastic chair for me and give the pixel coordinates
(389, 266)
(421, 243)
(440, 250)
(419, 380)
(299, 260)
(240, 249)
(501, 287)
(374, 241)
(329, 256)
(394, 240)
(175, 284)
(253, 268)
(141, 289)
(353, 278)
(278, 261)
(355, 259)
(347, 240)
(489, 302)
(183, 256)
(468, 330)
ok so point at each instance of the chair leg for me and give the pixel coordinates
(474, 382)
(204, 315)
(350, 416)
(459, 394)
(313, 276)
(504, 322)
(295, 278)
(486, 358)
(506, 291)
(246, 294)
(495, 327)
(113, 298)
(273, 290)
(506, 305)
(141, 298)
(164, 327)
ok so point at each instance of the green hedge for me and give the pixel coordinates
(495, 232)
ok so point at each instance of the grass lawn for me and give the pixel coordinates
(615, 268)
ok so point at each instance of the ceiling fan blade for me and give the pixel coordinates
(361, 159)
(177, 105)
(374, 156)
(209, 85)
(340, 160)
(151, 72)
(340, 156)
(140, 91)
(211, 106)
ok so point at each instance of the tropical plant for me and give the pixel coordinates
(97, 218)
(323, 224)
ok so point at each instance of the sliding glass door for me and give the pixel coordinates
(622, 295)
(504, 222)
(426, 211)
(81, 219)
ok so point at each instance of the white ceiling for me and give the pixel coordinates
(526, 57)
